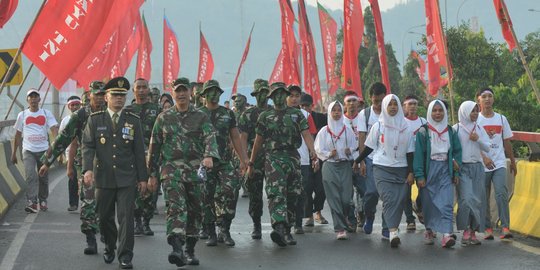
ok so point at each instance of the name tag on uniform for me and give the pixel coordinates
(102, 128)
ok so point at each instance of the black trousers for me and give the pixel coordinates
(73, 189)
(123, 198)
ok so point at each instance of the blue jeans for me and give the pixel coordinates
(498, 178)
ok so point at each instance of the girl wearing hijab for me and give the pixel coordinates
(437, 147)
(393, 143)
(334, 145)
(471, 189)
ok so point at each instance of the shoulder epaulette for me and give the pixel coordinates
(97, 113)
(133, 114)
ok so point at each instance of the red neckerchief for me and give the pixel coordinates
(412, 119)
(350, 118)
(334, 135)
(438, 133)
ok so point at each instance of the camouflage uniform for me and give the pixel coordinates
(148, 112)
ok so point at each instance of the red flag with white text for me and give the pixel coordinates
(353, 31)
(7, 8)
(144, 65)
(66, 31)
(311, 74)
(506, 23)
(244, 57)
(380, 44)
(128, 50)
(288, 44)
(206, 62)
(329, 39)
(436, 49)
(171, 55)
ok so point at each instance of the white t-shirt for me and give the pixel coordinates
(303, 150)
(353, 123)
(375, 141)
(497, 129)
(34, 127)
(470, 150)
(63, 125)
(414, 125)
(324, 144)
(373, 118)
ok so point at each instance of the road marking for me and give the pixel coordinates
(530, 249)
(15, 247)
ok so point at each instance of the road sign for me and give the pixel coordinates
(15, 76)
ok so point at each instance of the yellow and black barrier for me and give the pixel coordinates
(12, 182)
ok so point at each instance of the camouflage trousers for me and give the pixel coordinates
(221, 193)
(144, 205)
(184, 211)
(283, 186)
(255, 187)
(87, 195)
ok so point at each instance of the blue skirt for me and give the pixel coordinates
(438, 198)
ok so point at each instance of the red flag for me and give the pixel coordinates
(171, 55)
(436, 49)
(144, 65)
(277, 72)
(66, 31)
(311, 74)
(288, 44)
(506, 23)
(244, 56)
(380, 44)
(7, 8)
(353, 31)
(206, 62)
(421, 70)
(103, 62)
(329, 38)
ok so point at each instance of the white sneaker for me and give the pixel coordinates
(394, 239)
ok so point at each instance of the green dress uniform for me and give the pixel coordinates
(115, 154)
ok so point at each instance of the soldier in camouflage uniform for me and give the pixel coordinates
(246, 125)
(72, 135)
(196, 98)
(223, 183)
(148, 112)
(182, 138)
(155, 95)
(240, 102)
(280, 131)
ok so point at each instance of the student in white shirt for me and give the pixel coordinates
(392, 144)
(32, 127)
(471, 191)
(499, 133)
(336, 145)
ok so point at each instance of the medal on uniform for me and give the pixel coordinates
(102, 140)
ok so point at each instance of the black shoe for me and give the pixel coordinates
(108, 255)
(138, 230)
(126, 265)
(212, 237)
(191, 259)
(289, 239)
(146, 229)
(278, 235)
(177, 255)
(190, 251)
(257, 231)
(91, 245)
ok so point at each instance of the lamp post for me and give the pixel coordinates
(402, 42)
(458, 10)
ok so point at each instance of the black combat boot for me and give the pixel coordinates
(190, 251)
(177, 255)
(146, 228)
(212, 237)
(278, 235)
(91, 244)
(288, 237)
(204, 232)
(224, 233)
(138, 230)
(257, 231)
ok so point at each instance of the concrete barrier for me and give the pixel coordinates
(525, 202)
(11, 178)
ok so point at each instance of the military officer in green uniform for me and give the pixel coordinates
(246, 124)
(113, 158)
(223, 183)
(155, 95)
(183, 139)
(280, 131)
(148, 112)
(240, 103)
(196, 98)
(71, 136)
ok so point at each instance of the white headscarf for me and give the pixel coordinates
(464, 116)
(336, 128)
(438, 131)
(394, 126)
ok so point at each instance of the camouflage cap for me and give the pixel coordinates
(155, 91)
(181, 82)
(117, 86)
(276, 86)
(97, 87)
(238, 95)
(209, 85)
(259, 85)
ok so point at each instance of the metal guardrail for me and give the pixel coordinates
(6, 123)
(531, 139)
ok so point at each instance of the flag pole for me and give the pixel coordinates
(18, 91)
(12, 65)
(46, 93)
(448, 68)
(522, 55)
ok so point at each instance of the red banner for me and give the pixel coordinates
(171, 55)
(311, 74)
(128, 50)
(144, 65)
(102, 62)
(421, 70)
(353, 31)
(66, 31)
(380, 44)
(436, 49)
(506, 23)
(244, 57)
(329, 39)
(206, 62)
(277, 72)
(7, 8)
(288, 44)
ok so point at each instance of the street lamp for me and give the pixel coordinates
(458, 10)
(403, 39)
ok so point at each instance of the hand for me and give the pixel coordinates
(61, 159)
(513, 167)
(208, 162)
(456, 180)
(355, 167)
(333, 153)
(363, 170)
(152, 184)
(88, 178)
(348, 151)
(489, 163)
(243, 166)
(249, 173)
(456, 165)
(473, 137)
(421, 183)
(43, 170)
(70, 172)
(142, 187)
(410, 179)
(14, 158)
(315, 165)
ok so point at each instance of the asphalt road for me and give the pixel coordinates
(52, 240)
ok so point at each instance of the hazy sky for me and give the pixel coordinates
(338, 4)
